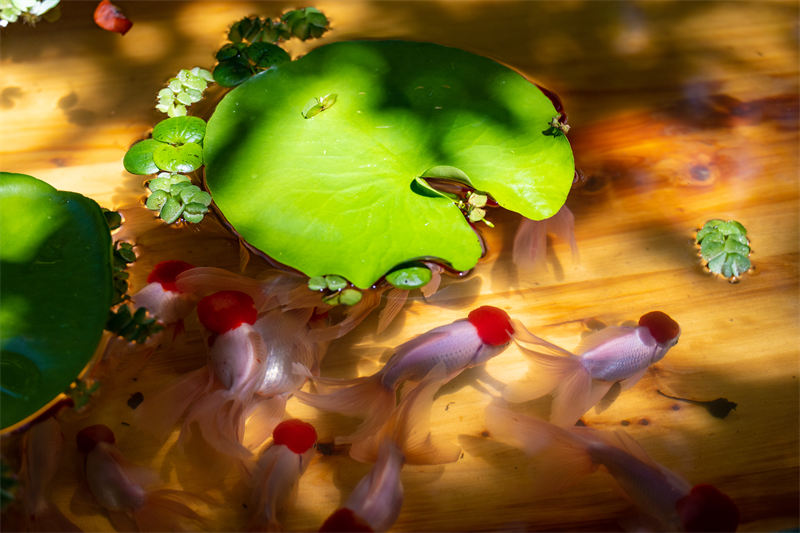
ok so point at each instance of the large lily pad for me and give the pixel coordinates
(56, 283)
(337, 191)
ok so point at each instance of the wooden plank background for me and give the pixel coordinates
(681, 112)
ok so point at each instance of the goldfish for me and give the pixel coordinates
(111, 18)
(376, 500)
(431, 359)
(161, 296)
(217, 395)
(664, 496)
(122, 489)
(277, 471)
(606, 362)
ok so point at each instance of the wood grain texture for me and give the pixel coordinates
(680, 112)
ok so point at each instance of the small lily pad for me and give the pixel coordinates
(410, 277)
(180, 130)
(56, 283)
(266, 55)
(139, 158)
(183, 158)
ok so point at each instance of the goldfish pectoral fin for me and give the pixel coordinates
(609, 396)
(395, 300)
(631, 381)
(572, 398)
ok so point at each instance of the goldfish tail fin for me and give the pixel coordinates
(378, 497)
(432, 286)
(262, 419)
(530, 245)
(567, 454)
(163, 511)
(574, 396)
(219, 419)
(545, 374)
(159, 413)
(352, 397)
(562, 225)
(354, 315)
(395, 300)
(412, 428)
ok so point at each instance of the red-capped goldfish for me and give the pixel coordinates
(161, 296)
(121, 488)
(111, 18)
(218, 395)
(607, 361)
(376, 501)
(448, 349)
(663, 495)
(277, 471)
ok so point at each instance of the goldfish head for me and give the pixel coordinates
(493, 325)
(226, 310)
(663, 329)
(166, 272)
(295, 434)
(90, 436)
(706, 508)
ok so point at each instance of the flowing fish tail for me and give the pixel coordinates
(365, 397)
(219, 418)
(567, 455)
(163, 510)
(564, 376)
(530, 241)
(408, 427)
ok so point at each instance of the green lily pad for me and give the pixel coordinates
(139, 158)
(339, 192)
(182, 158)
(180, 130)
(56, 283)
(409, 277)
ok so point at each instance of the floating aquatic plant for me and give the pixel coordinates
(725, 248)
(183, 90)
(175, 146)
(174, 196)
(252, 47)
(337, 290)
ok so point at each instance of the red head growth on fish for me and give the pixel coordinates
(226, 310)
(295, 434)
(493, 325)
(660, 325)
(111, 18)
(705, 508)
(345, 520)
(88, 437)
(166, 272)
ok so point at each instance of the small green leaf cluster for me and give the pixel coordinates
(31, 11)
(183, 90)
(176, 146)
(113, 218)
(80, 392)
(724, 247)
(175, 196)
(473, 208)
(337, 288)
(252, 47)
(8, 485)
(556, 127)
(136, 327)
(123, 255)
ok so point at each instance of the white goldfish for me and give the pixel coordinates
(607, 361)
(122, 489)
(278, 469)
(432, 359)
(664, 496)
(376, 500)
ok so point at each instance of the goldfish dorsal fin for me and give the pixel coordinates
(608, 398)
